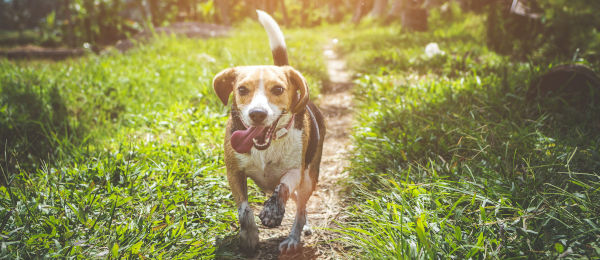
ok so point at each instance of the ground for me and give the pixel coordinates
(439, 156)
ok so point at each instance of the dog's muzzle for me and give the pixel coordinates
(260, 137)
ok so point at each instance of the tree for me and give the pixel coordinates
(379, 10)
(223, 10)
(361, 7)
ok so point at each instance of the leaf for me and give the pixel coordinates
(421, 231)
(115, 250)
(559, 247)
(135, 249)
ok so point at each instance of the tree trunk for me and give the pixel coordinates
(304, 12)
(18, 18)
(414, 18)
(88, 5)
(396, 10)
(286, 20)
(154, 9)
(222, 7)
(379, 9)
(271, 6)
(359, 10)
(334, 11)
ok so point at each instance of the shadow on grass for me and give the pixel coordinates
(538, 161)
(34, 127)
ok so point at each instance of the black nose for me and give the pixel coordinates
(258, 115)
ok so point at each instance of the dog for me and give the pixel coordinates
(274, 136)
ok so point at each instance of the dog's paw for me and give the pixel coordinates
(272, 213)
(274, 208)
(290, 245)
(307, 230)
(248, 229)
(248, 240)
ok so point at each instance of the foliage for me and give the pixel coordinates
(119, 155)
(24, 14)
(144, 178)
(103, 22)
(559, 28)
(572, 28)
(397, 51)
(452, 161)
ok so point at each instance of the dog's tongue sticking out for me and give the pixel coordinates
(241, 140)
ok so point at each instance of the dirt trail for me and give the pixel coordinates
(325, 204)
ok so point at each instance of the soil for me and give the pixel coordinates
(188, 29)
(38, 52)
(325, 205)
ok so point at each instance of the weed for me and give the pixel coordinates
(136, 166)
(452, 161)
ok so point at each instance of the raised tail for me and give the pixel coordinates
(276, 39)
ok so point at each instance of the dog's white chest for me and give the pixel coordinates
(267, 166)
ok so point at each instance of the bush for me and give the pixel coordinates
(559, 29)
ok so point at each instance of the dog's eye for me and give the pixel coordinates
(277, 90)
(243, 90)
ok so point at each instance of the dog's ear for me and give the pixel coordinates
(298, 81)
(223, 84)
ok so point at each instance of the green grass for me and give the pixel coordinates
(451, 160)
(12, 38)
(120, 155)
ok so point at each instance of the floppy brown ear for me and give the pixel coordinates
(223, 84)
(301, 86)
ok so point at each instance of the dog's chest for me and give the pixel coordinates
(266, 167)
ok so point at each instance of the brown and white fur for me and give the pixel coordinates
(288, 166)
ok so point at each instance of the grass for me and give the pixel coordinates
(13, 38)
(120, 155)
(451, 159)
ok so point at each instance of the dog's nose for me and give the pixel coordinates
(258, 115)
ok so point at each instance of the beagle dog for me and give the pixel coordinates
(274, 136)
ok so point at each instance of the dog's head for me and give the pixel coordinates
(262, 95)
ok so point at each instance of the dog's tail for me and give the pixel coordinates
(276, 39)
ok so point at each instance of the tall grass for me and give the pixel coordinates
(123, 152)
(452, 161)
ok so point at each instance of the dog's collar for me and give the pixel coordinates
(281, 132)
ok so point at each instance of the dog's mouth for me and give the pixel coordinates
(258, 136)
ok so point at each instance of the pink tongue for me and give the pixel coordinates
(241, 140)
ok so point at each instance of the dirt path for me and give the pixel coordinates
(324, 205)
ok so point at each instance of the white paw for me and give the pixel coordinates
(307, 230)
(290, 245)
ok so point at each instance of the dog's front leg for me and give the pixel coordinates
(248, 229)
(292, 242)
(274, 208)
